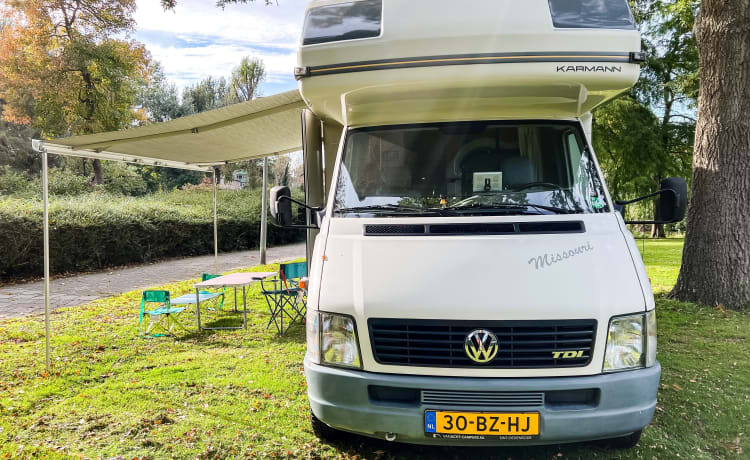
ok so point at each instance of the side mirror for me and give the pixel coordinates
(672, 200)
(281, 206)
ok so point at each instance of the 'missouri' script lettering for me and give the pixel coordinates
(547, 260)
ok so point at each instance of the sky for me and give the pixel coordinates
(198, 39)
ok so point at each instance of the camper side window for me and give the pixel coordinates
(343, 21)
(591, 14)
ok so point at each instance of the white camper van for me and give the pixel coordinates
(472, 282)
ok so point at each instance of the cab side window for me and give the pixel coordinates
(591, 14)
(343, 21)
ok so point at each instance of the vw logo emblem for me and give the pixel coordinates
(481, 345)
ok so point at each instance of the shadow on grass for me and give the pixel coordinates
(257, 324)
(295, 334)
(353, 444)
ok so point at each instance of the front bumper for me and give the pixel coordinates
(625, 403)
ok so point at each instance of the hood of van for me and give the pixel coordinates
(581, 270)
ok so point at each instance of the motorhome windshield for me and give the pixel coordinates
(468, 168)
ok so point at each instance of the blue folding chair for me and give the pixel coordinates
(163, 317)
(286, 298)
(189, 299)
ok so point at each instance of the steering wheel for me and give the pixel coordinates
(529, 185)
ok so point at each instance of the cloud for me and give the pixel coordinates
(198, 40)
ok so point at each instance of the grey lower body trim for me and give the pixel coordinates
(626, 404)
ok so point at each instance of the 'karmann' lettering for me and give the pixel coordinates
(589, 68)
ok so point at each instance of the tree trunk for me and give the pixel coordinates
(716, 258)
(98, 174)
(657, 230)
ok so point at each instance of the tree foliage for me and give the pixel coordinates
(628, 146)
(208, 94)
(171, 4)
(647, 135)
(245, 80)
(159, 99)
(63, 70)
(15, 147)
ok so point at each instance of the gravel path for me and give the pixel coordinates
(20, 300)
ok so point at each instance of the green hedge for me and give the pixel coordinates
(97, 230)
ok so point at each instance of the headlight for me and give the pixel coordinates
(338, 341)
(312, 325)
(631, 342)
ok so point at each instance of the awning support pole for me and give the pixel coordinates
(216, 230)
(264, 213)
(45, 203)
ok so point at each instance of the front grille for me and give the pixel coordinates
(486, 399)
(479, 228)
(522, 344)
(394, 230)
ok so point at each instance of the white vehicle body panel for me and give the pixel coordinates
(440, 61)
(480, 278)
(418, 33)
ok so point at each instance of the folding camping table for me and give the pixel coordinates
(234, 280)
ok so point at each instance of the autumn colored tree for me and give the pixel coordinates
(171, 4)
(64, 72)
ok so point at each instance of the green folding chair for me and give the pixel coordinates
(163, 317)
(286, 298)
(216, 295)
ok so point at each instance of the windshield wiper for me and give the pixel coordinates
(387, 208)
(505, 208)
(397, 209)
(509, 208)
(555, 209)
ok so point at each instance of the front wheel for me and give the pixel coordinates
(323, 431)
(624, 442)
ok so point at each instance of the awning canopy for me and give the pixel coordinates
(254, 129)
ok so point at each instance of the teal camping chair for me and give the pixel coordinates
(163, 317)
(286, 298)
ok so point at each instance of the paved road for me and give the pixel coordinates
(27, 299)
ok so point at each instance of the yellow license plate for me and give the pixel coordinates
(515, 425)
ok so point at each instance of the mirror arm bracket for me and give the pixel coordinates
(311, 227)
(650, 195)
(306, 206)
(647, 222)
(645, 197)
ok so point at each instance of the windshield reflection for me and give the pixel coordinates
(470, 168)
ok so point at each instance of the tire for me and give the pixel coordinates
(323, 431)
(623, 443)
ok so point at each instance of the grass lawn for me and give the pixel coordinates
(242, 394)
